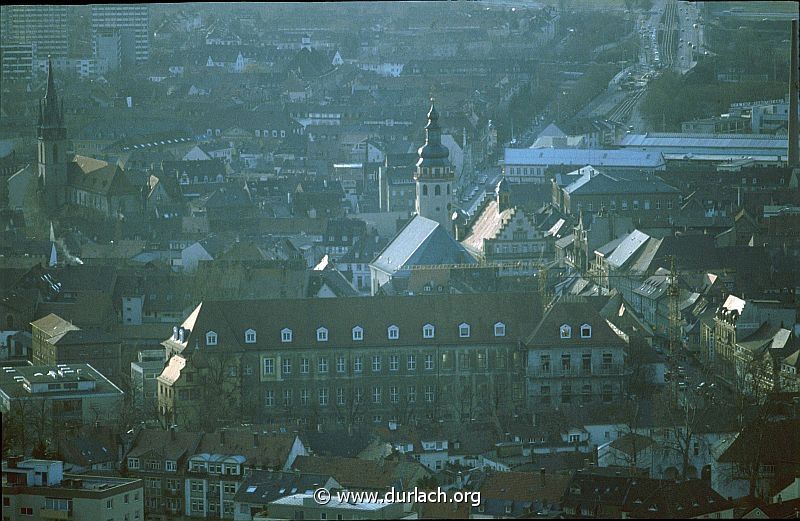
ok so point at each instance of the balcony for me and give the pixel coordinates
(51, 513)
(577, 372)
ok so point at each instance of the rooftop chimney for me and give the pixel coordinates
(794, 85)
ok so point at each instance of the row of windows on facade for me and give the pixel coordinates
(566, 361)
(376, 396)
(587, 396)
(437, 189)
(429, 363)
(624, 205)
(392, 332)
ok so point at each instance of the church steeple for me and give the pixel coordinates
(434, 175)
(52, 144)
(51, 113)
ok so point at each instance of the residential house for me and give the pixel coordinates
(218, 465)
(57, 341)
(521, 494)
(260, 487)
(574, 355)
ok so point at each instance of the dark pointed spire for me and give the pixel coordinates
(52, 110)
(51, 87)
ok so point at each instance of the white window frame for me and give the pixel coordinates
(286, 335)
(428, 362)
(464, 330)
(428, 331)
(393, 332)
(565, 331)
(211, 338)
(499, 329)
(268, 366)
(358, 333)
(250, 336)
(584, 328)
(411, 363)
(133, 463)
(322, 334)
(341, 366)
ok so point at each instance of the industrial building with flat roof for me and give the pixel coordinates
(72, 394)
(708, 147)
(528, 165)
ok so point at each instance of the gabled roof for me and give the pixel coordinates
(524, 486)
(488, 225)
(627, 248)
(668, 500)
(169, 445)
(421, 242)
(363, 474)
(94, 175)
(262, 487)
(575, 314)
(259, 449)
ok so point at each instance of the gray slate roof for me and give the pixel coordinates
(422, 242)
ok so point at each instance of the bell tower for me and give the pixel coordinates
(434, 175)
(52, 145)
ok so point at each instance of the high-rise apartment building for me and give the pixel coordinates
(44, 26)
(132, 22)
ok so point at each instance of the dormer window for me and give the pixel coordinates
(286, 335)
(358, 333)
(586, 331)
(250, 336)
(463, 330)
(322, 334)
(428, 331)
(566, 331)
(499, 329)
(393, 332)
(211, 338)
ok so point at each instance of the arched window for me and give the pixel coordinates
(424, 189)
(250, 336)
(211, 338)
(437, 190)
(286, 335)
